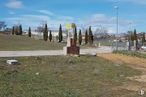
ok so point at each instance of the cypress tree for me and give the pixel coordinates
(143, 38)
(45, 33)
(131, 36)
(16, 30)
(129, 39)
(135, 34)
(135, 38)
(86, 37)
(60, 34)
(80, 37)
(29, 32)
(90, 36)
(13, 30)
(75, 33)
(20, 30)
(50, 36)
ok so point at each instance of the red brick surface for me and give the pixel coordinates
(73, 50)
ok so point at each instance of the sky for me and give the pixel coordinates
(99, 14)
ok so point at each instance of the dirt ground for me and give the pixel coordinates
(134, 62)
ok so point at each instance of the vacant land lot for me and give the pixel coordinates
(10, 42)
(59, 76)
(134, 62)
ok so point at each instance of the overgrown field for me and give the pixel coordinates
(62, 76)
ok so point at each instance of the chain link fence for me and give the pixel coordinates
(126, 45)
(120, 45)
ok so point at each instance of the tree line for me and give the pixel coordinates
(88, 37)
(17, 30)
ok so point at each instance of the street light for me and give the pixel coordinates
(117, 23)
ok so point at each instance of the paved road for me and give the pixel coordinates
(52, 52)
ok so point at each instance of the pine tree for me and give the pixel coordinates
(86, 37)
(45, 33)
(29, 32)
(60, 36)
(80, 37)
(13, 30)
(90, 36)
(20, 30)
(50, 36)
(143, 38)
(75, 34)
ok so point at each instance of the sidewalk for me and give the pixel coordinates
(52, 52)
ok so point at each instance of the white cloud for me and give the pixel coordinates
(100, 16)
(15, 4)
(27, 20)
(136, 1)
(36, 17)
(131, 1)
(37, 20)
(65, 18)
(101, 20)
(11, 12)
(95, 20)
(47, 12)
(55, 20)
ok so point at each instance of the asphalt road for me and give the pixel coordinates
(90, 51)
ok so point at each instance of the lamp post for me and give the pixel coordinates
(117, 25)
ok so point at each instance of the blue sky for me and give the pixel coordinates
(97, 13)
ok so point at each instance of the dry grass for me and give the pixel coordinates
(119, 58)
(134, 62)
